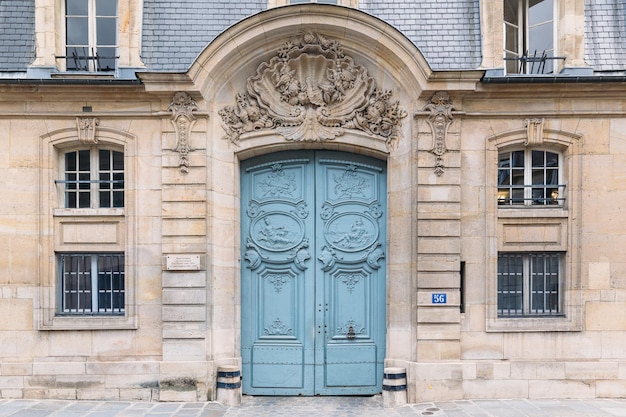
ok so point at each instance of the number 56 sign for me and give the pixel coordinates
(439, 298)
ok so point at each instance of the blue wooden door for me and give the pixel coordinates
(313, 274)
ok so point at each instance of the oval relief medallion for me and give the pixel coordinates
(277, 231)
(351, 232)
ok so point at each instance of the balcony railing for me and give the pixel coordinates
(540, 195)
(535, 63)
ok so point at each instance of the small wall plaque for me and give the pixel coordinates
(182, 262)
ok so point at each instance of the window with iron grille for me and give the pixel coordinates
(530, 177)
(93, 178)
(529, 284)
(90, 35)
(91, 283)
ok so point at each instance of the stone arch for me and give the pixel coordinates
(235, 63)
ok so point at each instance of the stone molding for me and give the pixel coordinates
(312, 91)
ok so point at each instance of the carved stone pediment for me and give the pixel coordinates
(312, 91)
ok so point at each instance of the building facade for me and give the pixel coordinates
(310, 193)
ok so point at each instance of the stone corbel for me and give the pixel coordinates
(86, 128)
(183, 119)
(440, 117)
(534, 131)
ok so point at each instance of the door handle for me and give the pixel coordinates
(351, 334)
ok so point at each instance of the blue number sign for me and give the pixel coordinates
(439, 298)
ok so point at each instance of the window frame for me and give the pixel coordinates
(524, 61)
(64, 230)
(93, 188)
(506, 198)
(87, 297)
(525, 292)
(91, 55)
(520, 228)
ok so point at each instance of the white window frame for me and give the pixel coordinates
(90, 55)
(522, 60)
(557, 195)
(94, 188)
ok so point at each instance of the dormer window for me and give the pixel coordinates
(91, 35)
(529, 36)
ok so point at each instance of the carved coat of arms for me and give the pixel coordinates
(312, 91)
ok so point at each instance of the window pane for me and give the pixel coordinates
(106, 28)
(540, 39)
(512, 40)
(118, 161)
(77, 31)
(106, 7)
(106, 59)
(83, 160)
(511, 14)
(76, 7)
(552, 159)
(540, 11)
(510, 284)
(517, 159)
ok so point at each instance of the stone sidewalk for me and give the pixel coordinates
(316, 407)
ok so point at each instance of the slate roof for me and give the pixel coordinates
(176, 31)
(447, 33)
(17, 34)
(605, 34)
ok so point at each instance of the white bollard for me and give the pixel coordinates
(229, 385)
(394, 387)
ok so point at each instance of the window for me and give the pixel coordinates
(529, 177)
(529, 36)
(91, 284)
(529, 284)
(91, 35)
(94, 178)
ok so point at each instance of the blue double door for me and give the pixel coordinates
(313, 285)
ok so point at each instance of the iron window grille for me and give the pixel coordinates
(92, 284)
(529, 284)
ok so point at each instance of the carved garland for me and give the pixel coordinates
(312, 91)
(440, 108)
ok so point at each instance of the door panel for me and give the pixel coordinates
(313, 279)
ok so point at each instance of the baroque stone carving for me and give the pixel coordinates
(312, 91)
(440, 117)
(86, 128)
(183, 119)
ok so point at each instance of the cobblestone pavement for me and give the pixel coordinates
(316, 407)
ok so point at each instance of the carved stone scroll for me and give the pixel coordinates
(183, 119)
(534, 131)
(312, 91)
(86, 128)
(440, 108)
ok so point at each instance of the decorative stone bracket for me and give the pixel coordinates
(534, 131)
(440, 117)
(312, 91)
(86, 128)
(183, 119)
